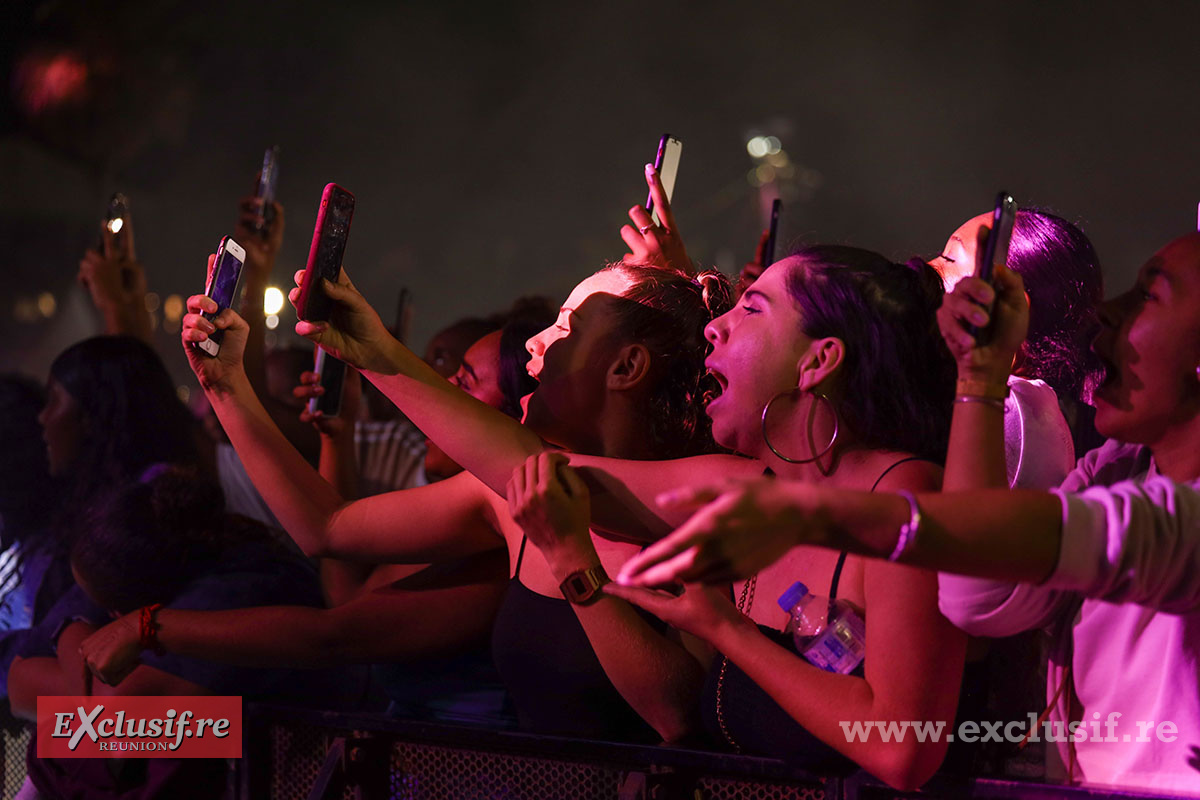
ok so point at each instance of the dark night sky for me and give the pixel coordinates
(495, 147)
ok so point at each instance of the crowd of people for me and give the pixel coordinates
(584, 519)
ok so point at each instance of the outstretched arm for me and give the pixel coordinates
(424, 619)
(491, 444)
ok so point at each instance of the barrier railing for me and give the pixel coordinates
(303, 755)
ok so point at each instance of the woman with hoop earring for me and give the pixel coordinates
(839, 350)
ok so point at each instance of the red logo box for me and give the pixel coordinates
(139, 727)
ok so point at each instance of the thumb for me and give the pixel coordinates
(1007, 283)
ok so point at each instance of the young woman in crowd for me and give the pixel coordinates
(439, 667)
(1108, 562)
(166, 539)
(624, 399)
(1062, 277)
(811, 344)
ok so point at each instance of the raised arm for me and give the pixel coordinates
(489, 443)
(429, 619)
(418, 525)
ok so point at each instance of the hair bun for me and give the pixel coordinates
(716, 291)
(930, 286)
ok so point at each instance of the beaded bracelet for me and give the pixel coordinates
(148, 629)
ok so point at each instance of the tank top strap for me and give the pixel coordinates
(520, 556)
(883, 474)
(837, 575)
(841, 562)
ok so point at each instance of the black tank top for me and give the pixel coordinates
(556, 682)
(755, 721)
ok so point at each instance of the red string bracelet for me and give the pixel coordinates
(148, 629)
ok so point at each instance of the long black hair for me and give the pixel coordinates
(1062, 276)
(897, 377)
(132, 416)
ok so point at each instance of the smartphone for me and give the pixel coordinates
(116, 223)
(332, 372)
(403, 314)
(330, 235)
(265, 190)
(222, 287)
(772, 234)
(666, 164)
(995, 249)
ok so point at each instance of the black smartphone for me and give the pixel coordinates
(772, 234)
(666, 164)
(222, 287)
(332, 372)
(994, 250)
(330, 235)
(403, 314)
(116, 223)
(265, 188)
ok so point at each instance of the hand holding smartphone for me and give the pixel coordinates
(222, 287)
(666, 164)
(330, 236)
(994, 251)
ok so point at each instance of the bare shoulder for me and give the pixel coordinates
(908, 472)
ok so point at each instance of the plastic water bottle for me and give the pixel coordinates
(828, 633)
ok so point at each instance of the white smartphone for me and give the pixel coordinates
(222, 287)
(666, 164)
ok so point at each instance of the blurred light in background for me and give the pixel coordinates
(173, 308)
(152, 302)
(272, 322)
(272, 302)
(46, 305)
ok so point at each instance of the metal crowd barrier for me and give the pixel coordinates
(304, 755)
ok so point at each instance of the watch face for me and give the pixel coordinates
(577, 585)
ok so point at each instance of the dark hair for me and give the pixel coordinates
(133, 415)
(26, 488)
(668, 315)
(897, 378)
(145, 540)
(528, 317)
(1062, 277)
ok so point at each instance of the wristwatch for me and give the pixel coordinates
(582, 587)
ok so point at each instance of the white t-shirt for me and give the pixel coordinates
(1123, 608)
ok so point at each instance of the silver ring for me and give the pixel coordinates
(642, 230)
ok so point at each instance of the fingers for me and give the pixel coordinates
(641, 218)
(201, 304)
(966, 310)
(760, 252)
(656, 602)
(212, 259)
(311, 330)
(1009, 284)
(689, 497)
(635, 242)
(976, 290)
(659, 195)
(570, 478)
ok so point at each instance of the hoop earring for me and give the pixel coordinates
(833, 440)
